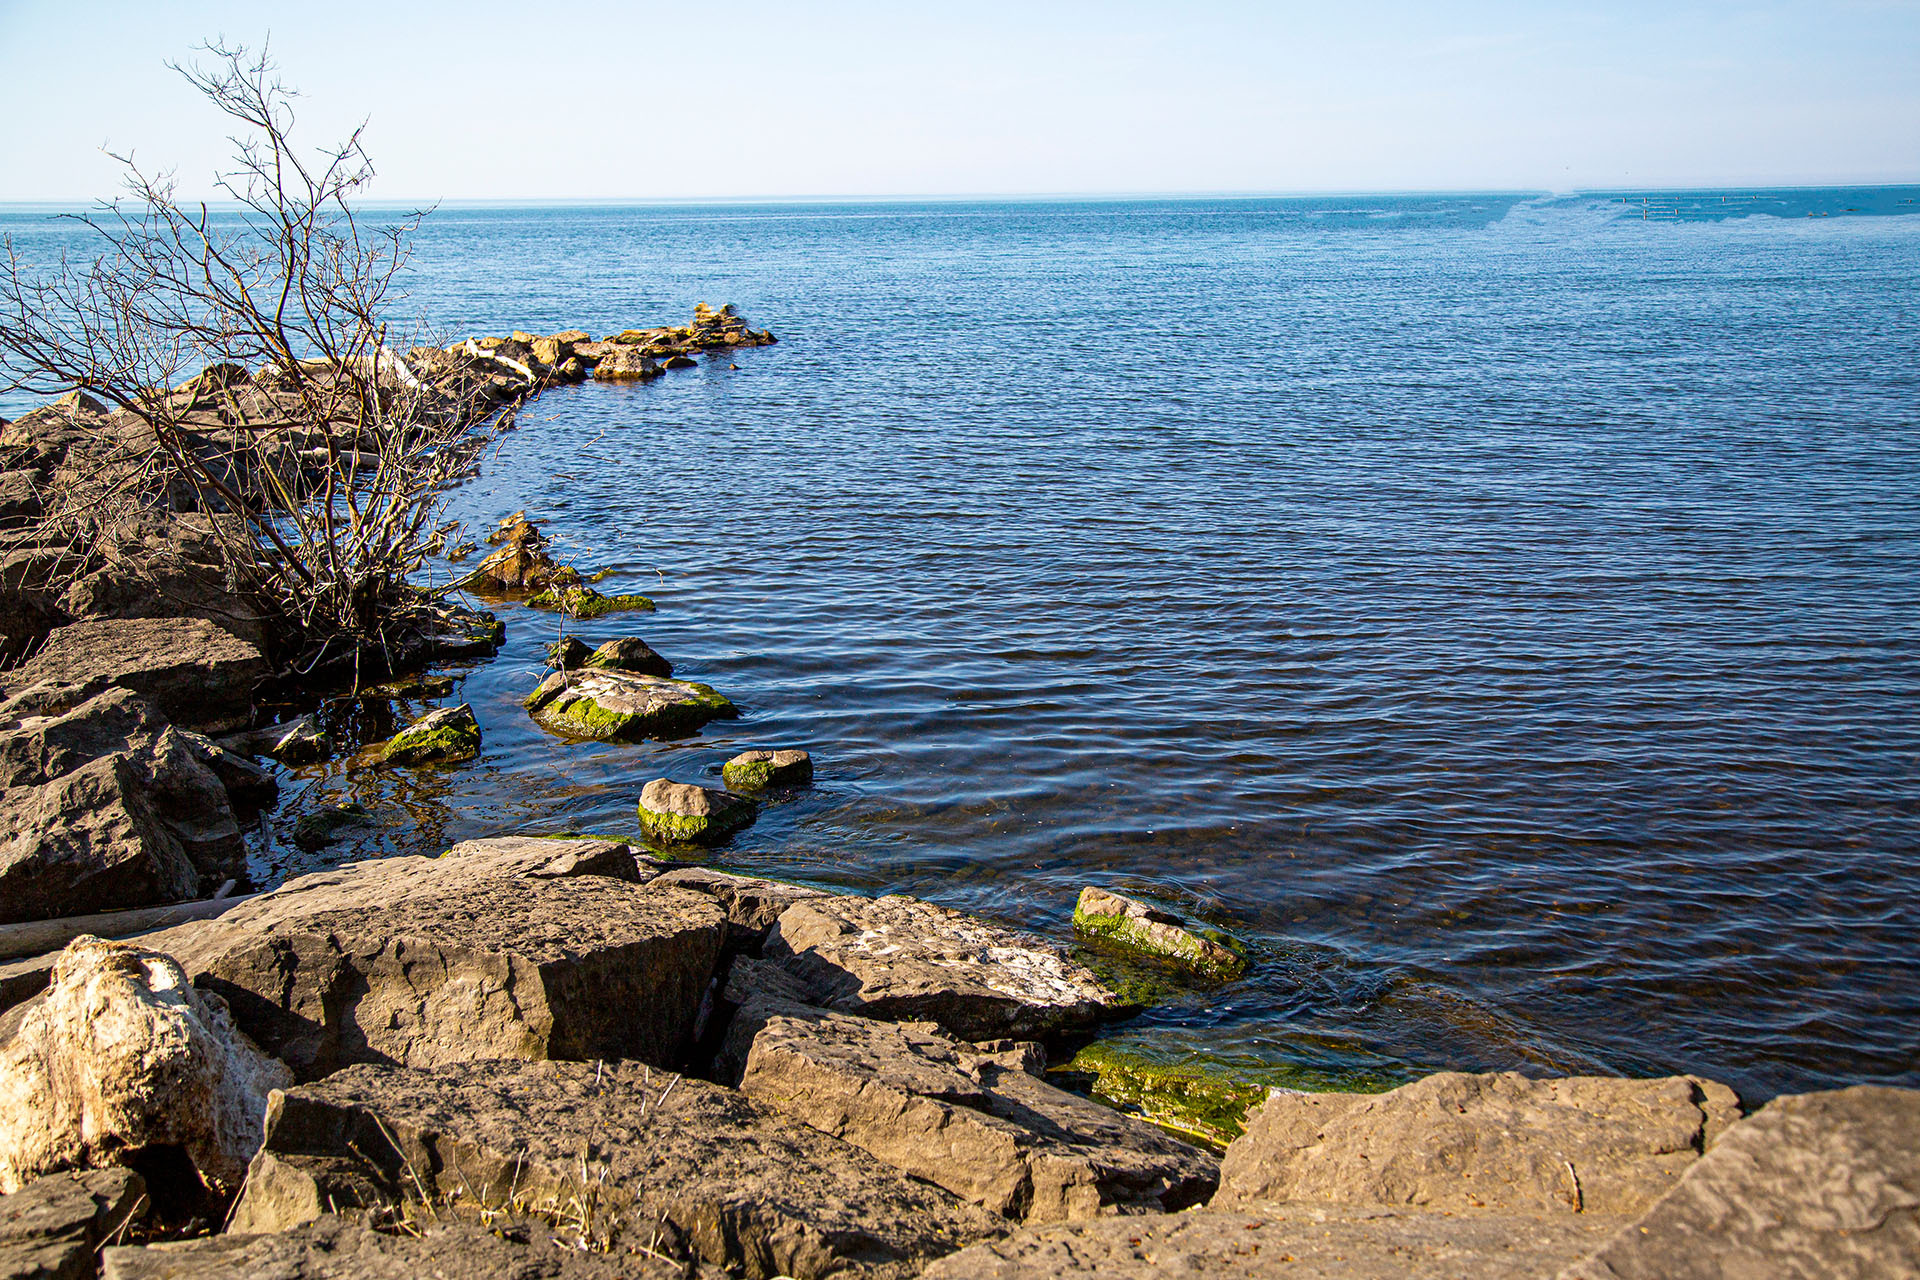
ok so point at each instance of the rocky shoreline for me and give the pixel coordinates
(573, 1057)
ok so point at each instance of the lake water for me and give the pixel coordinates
(1503, 612)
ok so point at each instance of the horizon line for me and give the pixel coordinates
(1004, 197)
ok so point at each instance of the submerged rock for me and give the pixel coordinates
(122, 1055)
(1130, 923)
(444, 736)
(315, 831)
(630, 654)
(758, 770)
(681, 813)
(51, 1228)
(900, 958)
(1814, 1184)
(991, 1133)
(623, 706)
(1584, 1144)
(1185, 1098)
(336, 1248)
(499, 950)
(585, 602)
(690, 1170)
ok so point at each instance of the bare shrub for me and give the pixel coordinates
(246, 354)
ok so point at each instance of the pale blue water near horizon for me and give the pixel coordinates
(1500, 610)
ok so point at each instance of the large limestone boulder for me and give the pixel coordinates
(335, 1248)
(898, 958)
(105, 806)
(1291, 1242)
(682, 813)
(1453, 1141)
(51, 1228)
(694, 1171)
(1815, 1186)
(624, 706)
(494, 953)
(984, 1129)
(751, 903)
(123, 1055)
(622, 363)
(199, 675)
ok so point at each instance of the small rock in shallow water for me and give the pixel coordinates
(567, 655)
(758, 770)
(680, 812)
(443, 736)
(315, 831)
(630, 654)
(622, 706)
(585, 602)
(1133, 924)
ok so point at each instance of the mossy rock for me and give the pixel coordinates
(758, 770)
(315, 831)
(585, 602)
(624, 706)
(1184, 1098)
(440, 737)
(1138, 926)
(681, 813)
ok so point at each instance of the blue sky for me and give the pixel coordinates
(478, 100)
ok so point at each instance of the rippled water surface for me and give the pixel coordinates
(1502, 612)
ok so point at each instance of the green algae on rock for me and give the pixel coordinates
(623, 706)
(585, 602)
(758, 770)
(439, 737)
(681, 813)
(315, 831)
(1133, 924)
(1183, 1098)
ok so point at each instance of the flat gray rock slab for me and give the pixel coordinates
(1815, 1186)
(487, 954)
(936, 1108)
(1296, 1242)
(752, 904)
(694, 1171)
(551, 857)
(1586, 1144)
(50, 1228)
(899, 958)
(201, 676)
(333, 1248)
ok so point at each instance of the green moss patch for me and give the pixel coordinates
(585, 602)
(1206, 952)
(1187, 1099)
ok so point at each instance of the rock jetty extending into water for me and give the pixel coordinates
(580, 1058)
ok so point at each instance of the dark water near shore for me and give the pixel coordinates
(1503, 612)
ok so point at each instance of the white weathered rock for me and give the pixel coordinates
(124, 1054)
